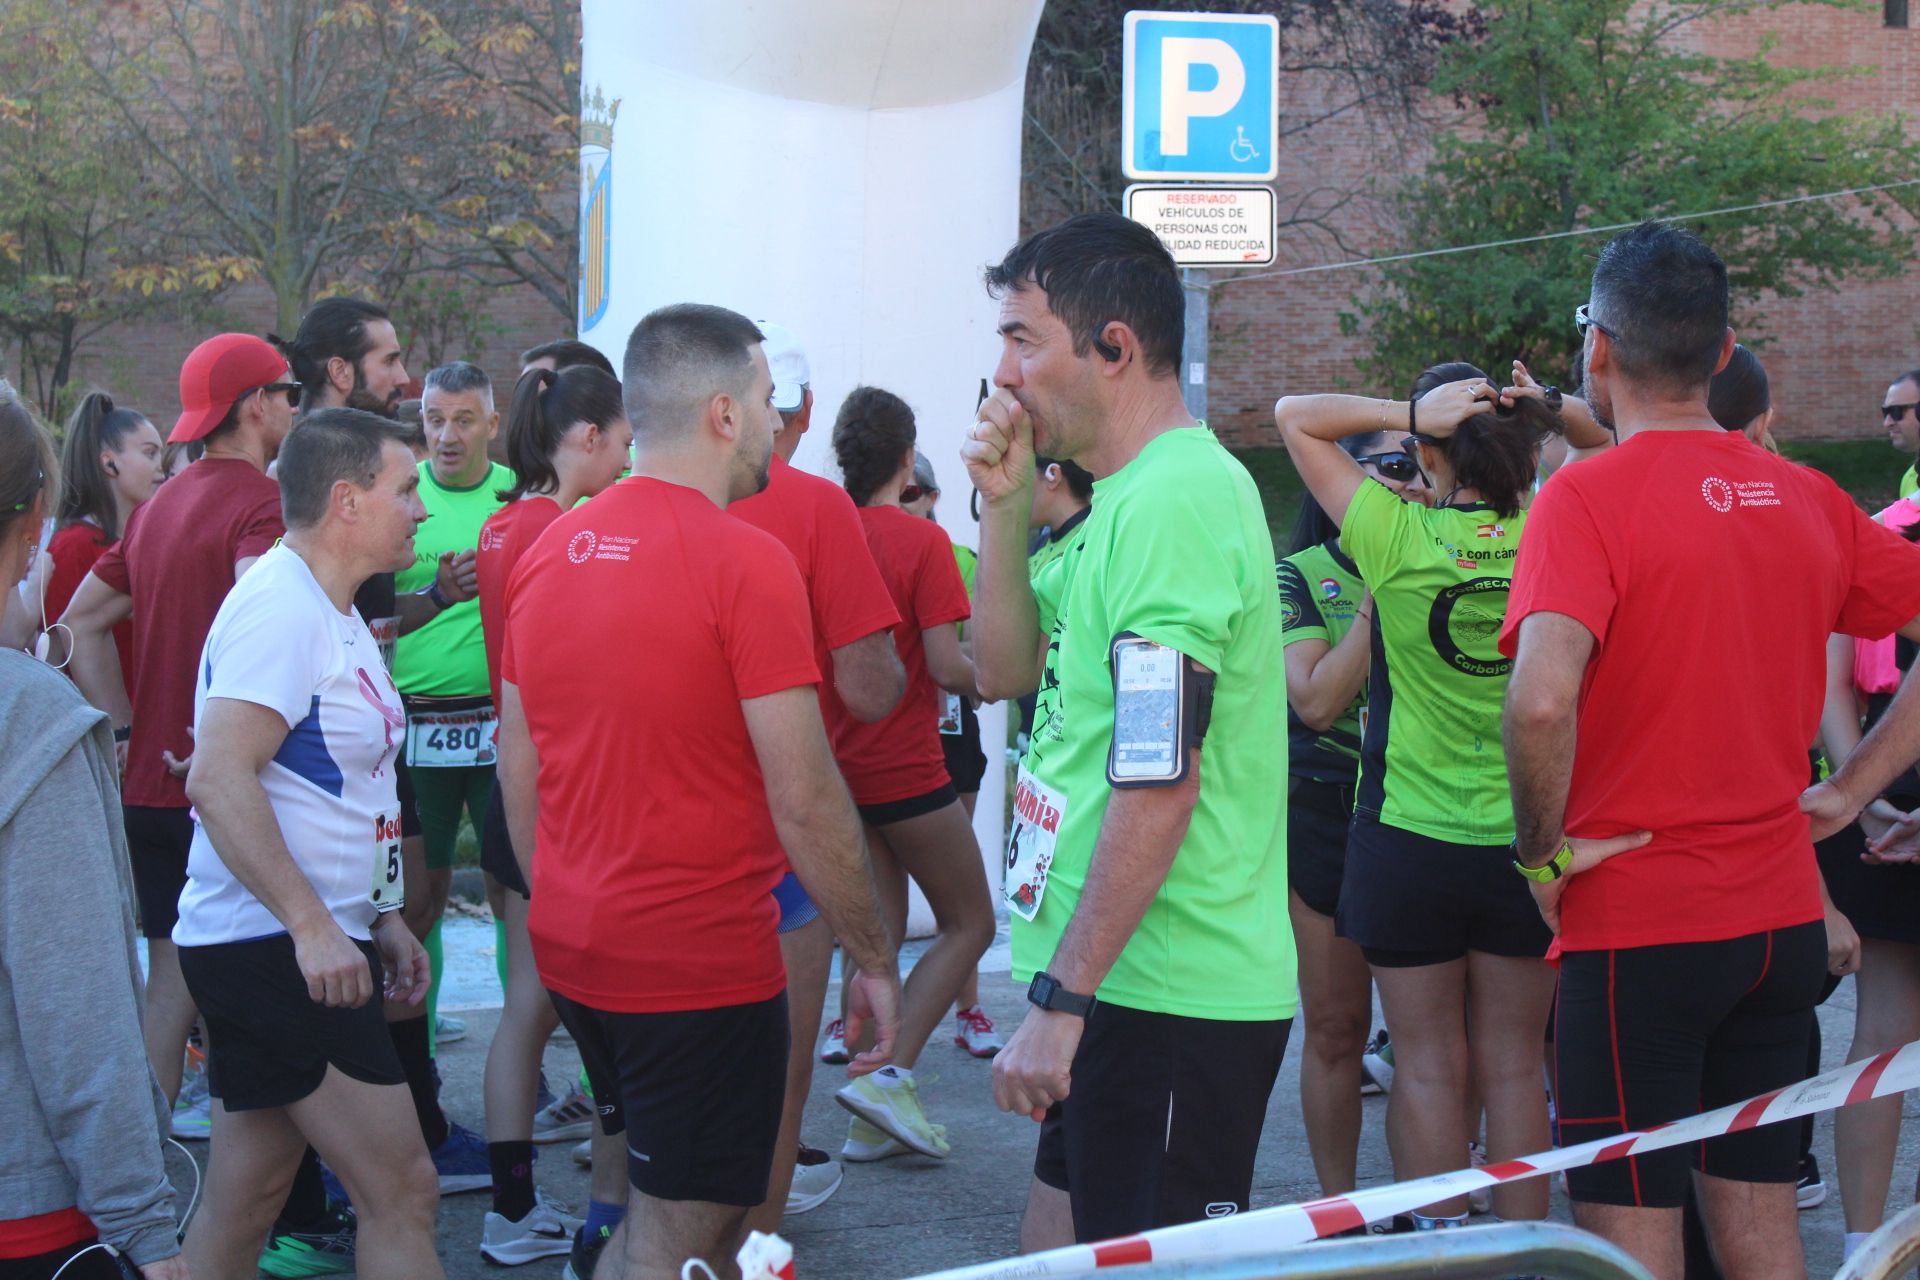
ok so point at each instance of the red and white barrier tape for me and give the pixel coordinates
(1892, 1072)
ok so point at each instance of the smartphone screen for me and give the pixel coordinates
(1146, 712)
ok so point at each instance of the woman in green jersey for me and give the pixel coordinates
(1325, 615)
(1429, 893)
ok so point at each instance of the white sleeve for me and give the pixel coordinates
(265, 653)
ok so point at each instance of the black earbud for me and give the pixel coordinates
(1107, 350)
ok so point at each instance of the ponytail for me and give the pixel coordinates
(86, 491)
(545, 407)
(1497, 451)
(872, 432)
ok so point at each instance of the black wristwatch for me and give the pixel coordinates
(1551, 394)
(1046, 992)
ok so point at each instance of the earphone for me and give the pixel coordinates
(1107, 350)
(43, 645)
(113, 468)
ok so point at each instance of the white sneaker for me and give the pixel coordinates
(583, 1154)
(973, 1031)
(567, 1119)
(889, 1101)
(1377, 1061)
(546, 1232)
(446, 1030)
(193, 1109)
(866, 1144)
(833, 1045)
(815, 1179)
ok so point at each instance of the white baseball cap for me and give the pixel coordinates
(789, 364)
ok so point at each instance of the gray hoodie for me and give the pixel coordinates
(80, 1113)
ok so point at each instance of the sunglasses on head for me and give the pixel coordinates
(1897, 412)
(1397, 466)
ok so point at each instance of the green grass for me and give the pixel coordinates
(1867, 469)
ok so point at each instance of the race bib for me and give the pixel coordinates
(389, 891)
(950, 713)
(386, 634)
(452, 739)
(1037, 813)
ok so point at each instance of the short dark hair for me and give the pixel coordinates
(1662, 295)
(1739, 393)
(871, 433)
(680, 357)
(1079, 479)
(456, 377)
(87, 493)
(1096, 268)
(331, 327)
(1911, 375)
(565, 353)
(1496, 451)
(545, 405)
(28, 467)
(325, 447)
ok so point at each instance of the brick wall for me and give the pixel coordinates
(1829, 355)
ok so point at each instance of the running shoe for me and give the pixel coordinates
(866, 1144)
(546, 1232)
(833, 1046)
(583, 1154)
(890, 1101)
(1377, 1060)
(1369, 1087)
(542, 1094)
(327, 1250)
(461, 1162)
(1811, 1192)
(193, 1109)
(446, 1030)
(585, 1254)
(973, 1031)
(816, 1177)
(567, 1119)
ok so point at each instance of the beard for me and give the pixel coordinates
(361, 398)
(1598, 404)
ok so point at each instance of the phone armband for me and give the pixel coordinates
(1162, 704)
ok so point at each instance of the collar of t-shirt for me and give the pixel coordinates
(1068, 525)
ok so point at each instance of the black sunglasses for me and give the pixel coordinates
(1397, 466)
(1582, 320)
(1898, 412)
(913, 493)
(291, 390)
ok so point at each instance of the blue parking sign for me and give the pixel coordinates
(1198, 97)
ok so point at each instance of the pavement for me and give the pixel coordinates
(910, 1215)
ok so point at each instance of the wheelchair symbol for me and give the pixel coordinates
(1242, 149)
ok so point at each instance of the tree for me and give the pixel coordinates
(82, 237)
(1588, 113)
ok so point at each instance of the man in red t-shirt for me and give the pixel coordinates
(183, 549)
(1673, 595)
(853, 618)
(662, 761)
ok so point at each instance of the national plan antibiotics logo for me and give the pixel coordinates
(580, 548)
(1718, 493)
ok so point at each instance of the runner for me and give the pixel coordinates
(78, 1101)
(1326, 617)
(853, 617)
(1155, 934)
(1900, 415)
(650, 637)
(289, 923)
(959, 723)
(180, 554)
(442, 667)
(915, 823)
(1689, 966)
(567, 440)
(1428, 892)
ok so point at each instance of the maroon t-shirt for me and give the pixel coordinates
(176, 560)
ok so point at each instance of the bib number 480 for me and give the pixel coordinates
(456, 738)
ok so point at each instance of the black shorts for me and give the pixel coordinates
(966, 762)
(271, 1041)
(409, 806)
(1691, 1026)
(1408, 899)
(698, 1094)
(496, 847)
(1163, 1122)
(1882, 903)
(891, 811)
(69, 1262)
(1318, 815)
(158, 841)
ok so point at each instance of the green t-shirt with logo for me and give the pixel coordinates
(1320, 590)
(1910, 481)
(1431, 761)
(1176, 551)
(447, 658)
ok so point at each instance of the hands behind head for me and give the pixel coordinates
(1439, 413)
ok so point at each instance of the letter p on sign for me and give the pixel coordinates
(1198, 97)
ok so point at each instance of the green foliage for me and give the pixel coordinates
(1590, 112)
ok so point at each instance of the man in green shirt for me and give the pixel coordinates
(441, 668)
(1151, 914)
(1900, 415)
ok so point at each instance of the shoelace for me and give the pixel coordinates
(977, 1021)
(836, 1030)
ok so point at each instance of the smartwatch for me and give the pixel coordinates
(1555, 867)
(1046, 992)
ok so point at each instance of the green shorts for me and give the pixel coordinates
(439, 795)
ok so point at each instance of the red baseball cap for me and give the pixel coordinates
(217, 373)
